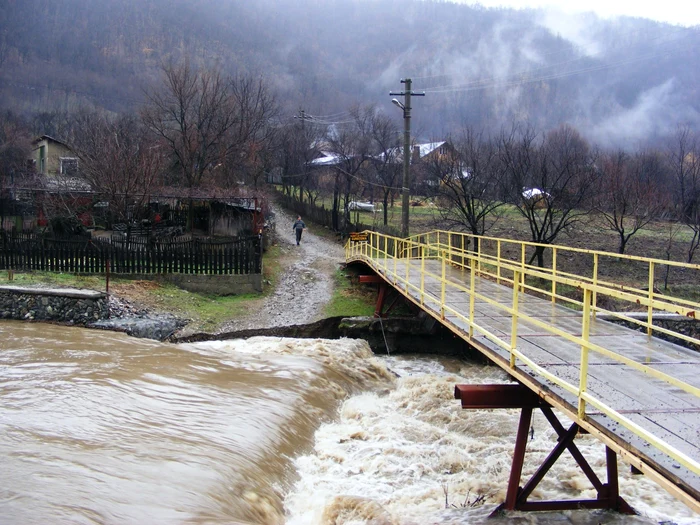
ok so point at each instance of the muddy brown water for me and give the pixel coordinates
(97, 427)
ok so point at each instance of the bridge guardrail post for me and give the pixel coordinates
(498, 261)
(650, 308)
(387, 241)
(472, 292)
(585, 333)
(595, 281)
(554, 275)
(478, 242)
(396, 257)
(408, 266)
(443, 284)
(422, 274)
(517, 276)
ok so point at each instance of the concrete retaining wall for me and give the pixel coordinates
(66, 305)
(217, 284)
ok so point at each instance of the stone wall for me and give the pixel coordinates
(65, 305)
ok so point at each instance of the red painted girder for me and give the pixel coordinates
(497, 396)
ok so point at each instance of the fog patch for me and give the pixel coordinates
(579, 29)
(656, 113)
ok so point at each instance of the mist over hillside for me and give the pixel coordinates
(624, 82)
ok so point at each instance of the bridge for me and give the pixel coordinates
(613, 357)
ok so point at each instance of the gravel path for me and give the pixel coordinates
(306, 282)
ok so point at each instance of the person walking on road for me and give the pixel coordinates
(298, 228)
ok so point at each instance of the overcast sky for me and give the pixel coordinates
(684, 12)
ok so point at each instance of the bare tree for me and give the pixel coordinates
(470, 180)
(210, 124)
(15, 144)
(248, 145)
(121, 160)
(683, 160)
(550, 180)
(193, 114)
(630, 196)
(351, 144)
(297, 147)
(386, 167)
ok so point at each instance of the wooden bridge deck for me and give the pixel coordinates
(656, 406)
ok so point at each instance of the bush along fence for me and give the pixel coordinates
(240, 255)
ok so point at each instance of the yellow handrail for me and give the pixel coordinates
(449, 249)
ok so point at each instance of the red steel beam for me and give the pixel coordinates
(497, 396)
(519, 396)
(516, 469)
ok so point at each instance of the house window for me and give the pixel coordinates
(69, 165)
(42, 159)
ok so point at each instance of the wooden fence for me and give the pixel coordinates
(242, 255)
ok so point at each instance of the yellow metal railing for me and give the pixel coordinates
(505, 261)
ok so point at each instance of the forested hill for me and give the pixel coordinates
(620, 82)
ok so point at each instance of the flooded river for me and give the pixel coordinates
(97, 427)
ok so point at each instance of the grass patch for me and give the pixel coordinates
(92, 282)
(272, 268)
(687, 292)
(350, 298)
(206, 312)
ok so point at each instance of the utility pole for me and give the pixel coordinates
(406, 107)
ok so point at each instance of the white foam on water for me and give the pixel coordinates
(348, 365)
(404, 455)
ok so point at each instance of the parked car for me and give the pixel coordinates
(361, 206)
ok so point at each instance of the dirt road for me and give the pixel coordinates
(306, 282)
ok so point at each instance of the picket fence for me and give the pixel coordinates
(23, 252)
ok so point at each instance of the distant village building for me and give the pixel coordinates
(51, 156)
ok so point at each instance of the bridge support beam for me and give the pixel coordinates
(382, 295)
(519, 396)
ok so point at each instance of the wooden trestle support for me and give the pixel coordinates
(519, 396)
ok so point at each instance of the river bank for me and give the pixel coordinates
(299, 282)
